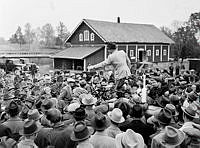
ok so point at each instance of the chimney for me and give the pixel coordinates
(118, 19)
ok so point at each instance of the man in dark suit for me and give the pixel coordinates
(57, 137)
(138, 125)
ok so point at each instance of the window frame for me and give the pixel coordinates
(86, 35)
(148, 52)
(131, 53)
(165, 52)
(81, 37)
(92, 36)
(157, 52)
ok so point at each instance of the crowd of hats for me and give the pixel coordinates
(163, 103)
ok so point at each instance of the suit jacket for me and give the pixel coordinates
(66, 94)
(120, 62)
(140, 127)
(59, 137)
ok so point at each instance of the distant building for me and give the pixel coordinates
(88, 44)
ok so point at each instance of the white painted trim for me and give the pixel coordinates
(153, 53)
(136, 55)
(141, 49)
(168, 52)
(127, 50)
(117, 47)
(85, 21)
(88, 26)
(84, 64)
(161, 52)
(105, 52)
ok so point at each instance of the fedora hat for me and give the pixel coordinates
(116, 115)
(130, 139)
(174, 99)
(30, 128)
(100, 122)
(164, 116)
(88, 99)
(172, 137)
(34, 115)
(162, 101)
(172, 108)
(79, 113)
(12, 107)
(72, 107)
(80, 132)
(192, 97)
(191, 111)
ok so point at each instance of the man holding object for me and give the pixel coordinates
(121, 63)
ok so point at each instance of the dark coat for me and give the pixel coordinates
(59, 137)
(4, 130)
(139, 127)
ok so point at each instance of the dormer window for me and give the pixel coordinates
(86, 35)
(80, 37)
(92, 36)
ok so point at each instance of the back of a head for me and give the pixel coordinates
(54, 115)
(125, 108)
(137, 111)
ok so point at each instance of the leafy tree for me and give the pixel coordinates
(47, 33)
(63, 33)
(29, 34)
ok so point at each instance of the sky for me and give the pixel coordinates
(14, 13)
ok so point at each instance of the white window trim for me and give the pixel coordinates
(86, 35)
(157, 52)
(80, 37)
(148, 52)
(92, 36)
(131, 53)
(165, 52)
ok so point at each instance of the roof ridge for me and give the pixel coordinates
(117, 23)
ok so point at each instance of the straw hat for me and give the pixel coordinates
(72, 107)
(116, 115)
(172, 137)
(88, 99)
(129, 139)
(191, 110)
(172, 108)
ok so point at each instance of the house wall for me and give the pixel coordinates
(157, 48)
(149, 48)
(75, 37)
(96, 57)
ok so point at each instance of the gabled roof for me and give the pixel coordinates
(75, 52)
(126, 32)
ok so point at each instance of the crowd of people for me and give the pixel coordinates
(92, 110)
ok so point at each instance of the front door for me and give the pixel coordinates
(141, 55)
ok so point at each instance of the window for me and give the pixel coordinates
(92, 36)
(80, 37)
(164, 52)
(148, 53)
(157, 52)
(131, 53)
(86, 35)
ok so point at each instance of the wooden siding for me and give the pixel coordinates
(157, 58)
(122, 47)
(165, 57)
(132, 58)
(95, 58)
(75, 37)
(150, 57)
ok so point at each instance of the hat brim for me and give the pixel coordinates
(105, 126)
(91, 103)
(110, 117)
(181, 137)
(21, 132)
(196, 115)
(73, 138)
